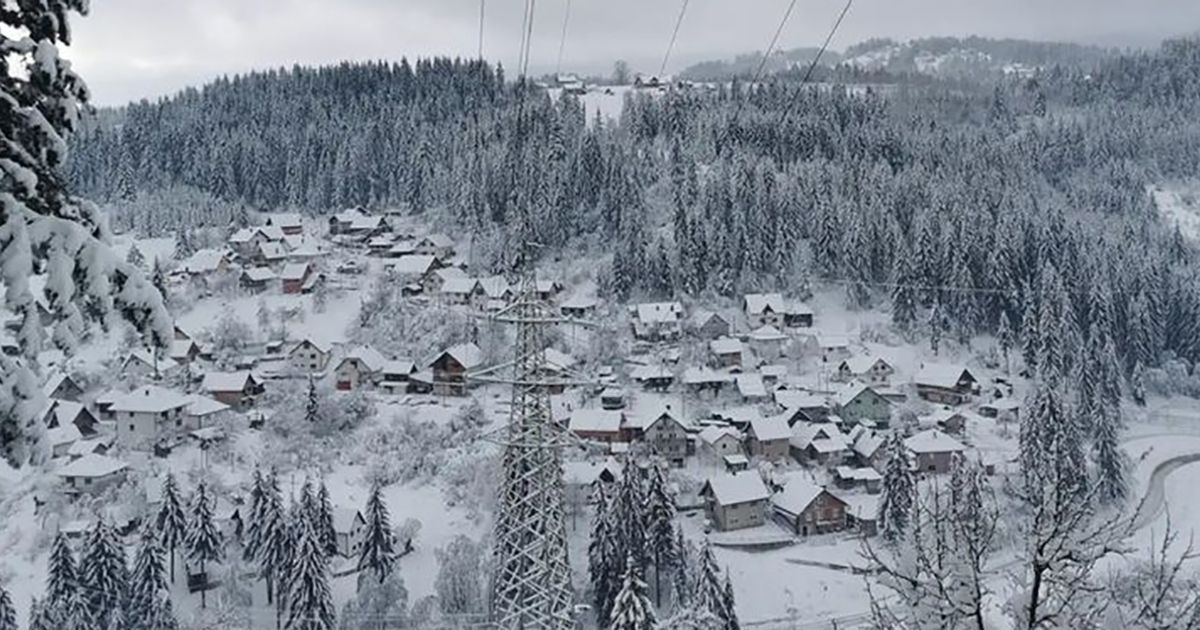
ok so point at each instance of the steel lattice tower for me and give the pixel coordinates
(531, 586)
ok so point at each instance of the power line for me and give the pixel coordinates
(481, 3)
(812, 66)
(562, 41)
(762, 64)
(528, 38)
(674, 34)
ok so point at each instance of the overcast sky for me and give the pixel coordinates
(131, 49)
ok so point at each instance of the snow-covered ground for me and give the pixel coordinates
(1179, 204)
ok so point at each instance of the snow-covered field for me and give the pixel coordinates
(1179, 204)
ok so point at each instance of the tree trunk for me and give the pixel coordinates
(203, 587)
(172, 564)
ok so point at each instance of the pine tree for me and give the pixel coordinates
(709, 595)
(661, 534)
(62, 574)
(937, 325)
(134, 256)
(158, 278)
(1112, 485)
(899, 491)
(1137, 384)
(680, 576)
(274, 543)
(183, 244)
(379, 542)
(149, 583)
(253, 540)
(631, 608)
(204, 542)
(904, 296)
(324, 521)
(731, 619)
(171, 521)
(104, 571)
(458, 586)
(601, 551)
(310, 603)
(1029, 333)
(312, 407)
(1004, 336)
(8, 614)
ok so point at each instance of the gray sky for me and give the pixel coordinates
(130, 49)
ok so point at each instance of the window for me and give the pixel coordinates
(87, 481)
(131, 427)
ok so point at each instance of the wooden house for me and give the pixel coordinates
(871, 370)
(809, 509)
(310, 356)
(709, 325)
(450, 368)
(933, 450)
(736, 501)
(361, 367)
(945, 384)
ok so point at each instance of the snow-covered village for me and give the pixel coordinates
(898, 334)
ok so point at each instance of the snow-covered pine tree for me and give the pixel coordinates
(379, 542)
(42, 227)
(1029, 333)
(253, 540)
(312, 405)
(8, 614)
(630, 513)
(184, 246)
(632, 609)
(601, 551)
(204, 543)
(661, 531)
(171, 520)
(1137, 384)
(134, 256)
(709, 594)
(104, 571)
(681, 576)
(148, 584)
(158, 278)
(1004, 337)
(730, 605)
(62, 573)
(904, 295)
(310, 603)
(937, 325)
(324, 520)
(899, 490)
(274, 543)
(1112, 466)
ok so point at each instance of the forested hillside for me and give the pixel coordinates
(964, 205)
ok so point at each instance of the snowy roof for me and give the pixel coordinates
(797, 399)
(65, 412)
(226, 381)
(586, 473)
(863, 507)
(867, 444)
(751, 386)
(322, 345)
(742, 414)
(558, 360)
(243, 235)
(150, 399)
(580, 302)
(364, 223)
(862, 364)
(659, 312)
(285, 219)
(612, 392)
(204, 406)
(713, 434)
(858, 474)
(770, 428)
(369, 357)
(204, 261)
(776, 371)
(738, 488)
(413, 265)
(701, 317)
(348, 215)
(796, 496)
(933, 441)
(344, 518)
(64, 433)
(294, 271)
(941, 375)
(382, 240)
(467, 354)
(271, 232)
(805, 435)
(547, 286)
(651, 372)
(759, 303)
(459, 286)
(404, 247)
(398, 366)
(767, 333)
(272, 251)
(84, 447)
(438, 240)
(259, 274)
(446, 273)
(725, 345)
(850, 391)
(595, 420)
(180, 348)
(92, 465)
(495, 286)
(702, 375)
(1002, 404)
(829, 341)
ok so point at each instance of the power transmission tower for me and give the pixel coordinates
(531, 587)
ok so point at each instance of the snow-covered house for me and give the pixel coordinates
(579, 307)
(206, 262)
(350, 528)
(868, 449)
(294, 275)
(147, 413)
(438, 245)
(581, 480)
(547, 290)
(599, 425)
(416, 270)
(290, 223)
(657, 321)
(736, 501)
(802, 406)
(726, 352)
(98, 445)
(612, 398)
(857, 402)
(362, 366)
(752, 388)
(246, 241)
(656, 377)
(951, 420)
(364, 227)
(61, 386)
(450, 368)
(61, 413)
(394, 376)
(719, 441)
(270, 254)
(768, 438)
(398, 249)
(203, 411)
(140, 364)
(945, 384)
(497, 289)
(461, 290)
(822, 443)
(1006, 409)
(869, 369)
(700, 379)
(340, 223)
(767, 342)
(236, 389)
(809, 509)
(184, 351)
(708, 325)
(667, 437)
(93, 474)
(258, 279)
(310, 355)
(864, 477)
(933, 450)
(763, 309)
(61, 438)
